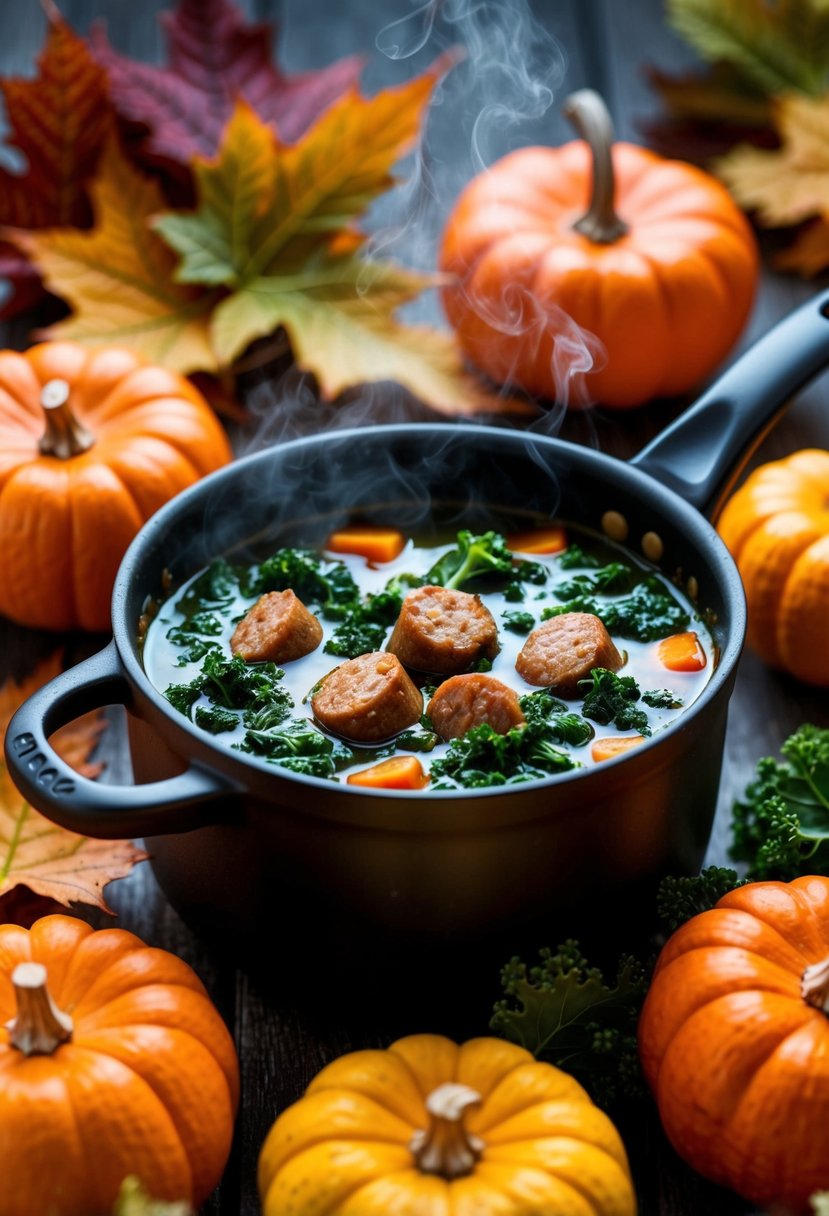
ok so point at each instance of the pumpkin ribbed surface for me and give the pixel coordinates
(65, 523)
(147, 1084)
(777, 529)
(536, 1142)
(737, 1057)
(667, 299)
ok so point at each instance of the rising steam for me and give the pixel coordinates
(502, 93)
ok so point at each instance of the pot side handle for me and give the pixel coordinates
(110, 812)
(702, 453)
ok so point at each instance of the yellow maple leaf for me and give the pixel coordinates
(792, 183)
(38, 854)
(118, 277)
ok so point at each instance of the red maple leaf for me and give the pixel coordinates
(215, 57)
(58, 121)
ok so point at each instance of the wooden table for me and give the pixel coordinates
(606, 45)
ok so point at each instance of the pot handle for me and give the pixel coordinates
(110, 812)
(702, 453)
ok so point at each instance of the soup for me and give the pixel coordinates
(480, 660)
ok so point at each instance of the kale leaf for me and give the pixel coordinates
(214, 719)
(482, 757)
(781, 825)
(542, 709)
(611, 579)
(575, 558)
(678, 898)
(662, 698)
(518, 622)
(611, 699)
(328, 586)
(232, 684)
(474, 556)
(647, 614)
(299, 746)
(563, 1011)
(215, 588)
(365, 623)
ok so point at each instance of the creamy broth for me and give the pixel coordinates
(165, 665)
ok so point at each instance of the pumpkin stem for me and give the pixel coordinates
(446, 1147)
(589, 115)
(40, 1027)
(64, 435)
(814, 985)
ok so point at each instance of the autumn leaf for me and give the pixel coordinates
(808, 254)
(214, 58)
(58, 121)
(119, 276)
(36, 853)
(791, 184)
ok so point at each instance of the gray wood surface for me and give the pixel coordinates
(522, 62)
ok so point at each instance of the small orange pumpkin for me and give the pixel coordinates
(121, 1066)
(92, 443)
(651, 256)
(433, 1127)
(734, 1041)
(777, 529)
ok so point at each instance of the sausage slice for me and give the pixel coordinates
(462, 702)
(278, 627)
(368, 698)
(443, 631)
(564, 650)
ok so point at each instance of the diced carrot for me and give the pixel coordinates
(539, 540)
(374, 544)
(397, 773)
(681, 652)
(607, 748)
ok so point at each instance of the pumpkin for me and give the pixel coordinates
(776, 526)
(432, 1127)
(91, 444)
(651, 256)
(113, 1062)
(734, 1041)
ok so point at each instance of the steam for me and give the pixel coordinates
(503, 93)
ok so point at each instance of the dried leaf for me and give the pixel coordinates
(808, 255)
(791, 184)
(214, 58)
(118, 277)
(58, 121)
(340, 325)
(50, 861)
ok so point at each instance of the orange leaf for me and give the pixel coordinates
(38, 854)
(119, 276)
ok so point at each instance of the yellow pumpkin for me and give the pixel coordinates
(92, 443)
(777, 529)
(433, 1128)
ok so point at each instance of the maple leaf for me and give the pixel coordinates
(214, 58)
(58, 121)
(808, 254)
(118, 277)
(50, 861)
(792, 183)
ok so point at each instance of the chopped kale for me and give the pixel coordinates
(196, 649)
(300, 747)
(575, 558)
(233, 684)
(612, 579)
(518, 622)
(214, 719)
(474, 557)
(662, 698)
(363, 627)
(544, 710)
(195, 635)
(424, 740)
(647, 614)
(183, 696)
(611, 699)
(328, 586)
(215, 588)
(482, 757)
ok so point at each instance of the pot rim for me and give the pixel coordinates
(214, 755)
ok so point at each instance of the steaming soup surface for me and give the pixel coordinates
(190, 636)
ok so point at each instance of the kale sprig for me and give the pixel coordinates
(326, 585)
(473, 557)
(647, 614)
(780, 827)
(299, 746)
(611, 699)
(482, 757)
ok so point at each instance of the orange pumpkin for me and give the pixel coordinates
(91, 444)
(734, 1040)
(777, 528)
(113, 1062)
(651, 256)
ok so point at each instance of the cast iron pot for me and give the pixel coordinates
(236, 841)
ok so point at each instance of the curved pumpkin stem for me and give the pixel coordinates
(814, 985)
(40, 1027)
(446, 1147)
(64, 436)
(589, 115)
